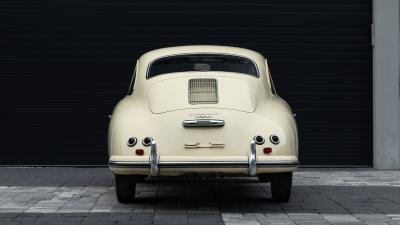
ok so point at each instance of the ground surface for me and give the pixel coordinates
(87, 196)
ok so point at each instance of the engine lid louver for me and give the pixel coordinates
(203, 91)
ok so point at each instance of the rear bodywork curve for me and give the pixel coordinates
(159, 106)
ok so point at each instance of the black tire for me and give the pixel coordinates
(125, 187)
(281, 186)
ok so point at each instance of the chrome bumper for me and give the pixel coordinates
(155, 165)
(200, 164)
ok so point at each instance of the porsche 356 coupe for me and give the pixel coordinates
(202, 110)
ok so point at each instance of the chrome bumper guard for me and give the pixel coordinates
(154, 164)
(153, 159)
(252, 159)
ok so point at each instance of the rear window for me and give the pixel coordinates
(202, 62)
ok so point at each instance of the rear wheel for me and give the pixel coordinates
(281, 186)
(125, 186)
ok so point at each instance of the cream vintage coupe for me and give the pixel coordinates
(202, 110)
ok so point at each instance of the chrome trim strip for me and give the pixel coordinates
(153, 159)
(203, 164)
(203, 123)
(199, 145)
(128, 164)
(278, 163)
(252, 159)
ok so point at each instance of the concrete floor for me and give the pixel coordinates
(87, 196)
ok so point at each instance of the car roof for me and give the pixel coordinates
(201, 49)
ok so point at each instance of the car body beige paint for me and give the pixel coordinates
(159, 105)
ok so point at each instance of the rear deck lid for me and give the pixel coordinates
(202, 92)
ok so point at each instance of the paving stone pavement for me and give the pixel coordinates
(86, 196)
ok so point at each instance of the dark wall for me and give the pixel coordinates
(64, 64)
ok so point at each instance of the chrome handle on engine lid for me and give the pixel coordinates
(203, 123)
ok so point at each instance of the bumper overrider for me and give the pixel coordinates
(252, 165)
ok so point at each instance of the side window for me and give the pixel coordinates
(273, 90)
(130, 90)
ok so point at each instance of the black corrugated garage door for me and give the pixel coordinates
(65, 63)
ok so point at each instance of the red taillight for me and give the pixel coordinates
(139, 152)
(267, 150)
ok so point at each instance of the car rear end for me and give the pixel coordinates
(202, 122)
(209, 123)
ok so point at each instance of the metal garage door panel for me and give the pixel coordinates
(66, 64)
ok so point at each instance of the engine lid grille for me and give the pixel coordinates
(203, 91)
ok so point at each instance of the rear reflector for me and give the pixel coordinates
(267, 150)
(139, 152)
